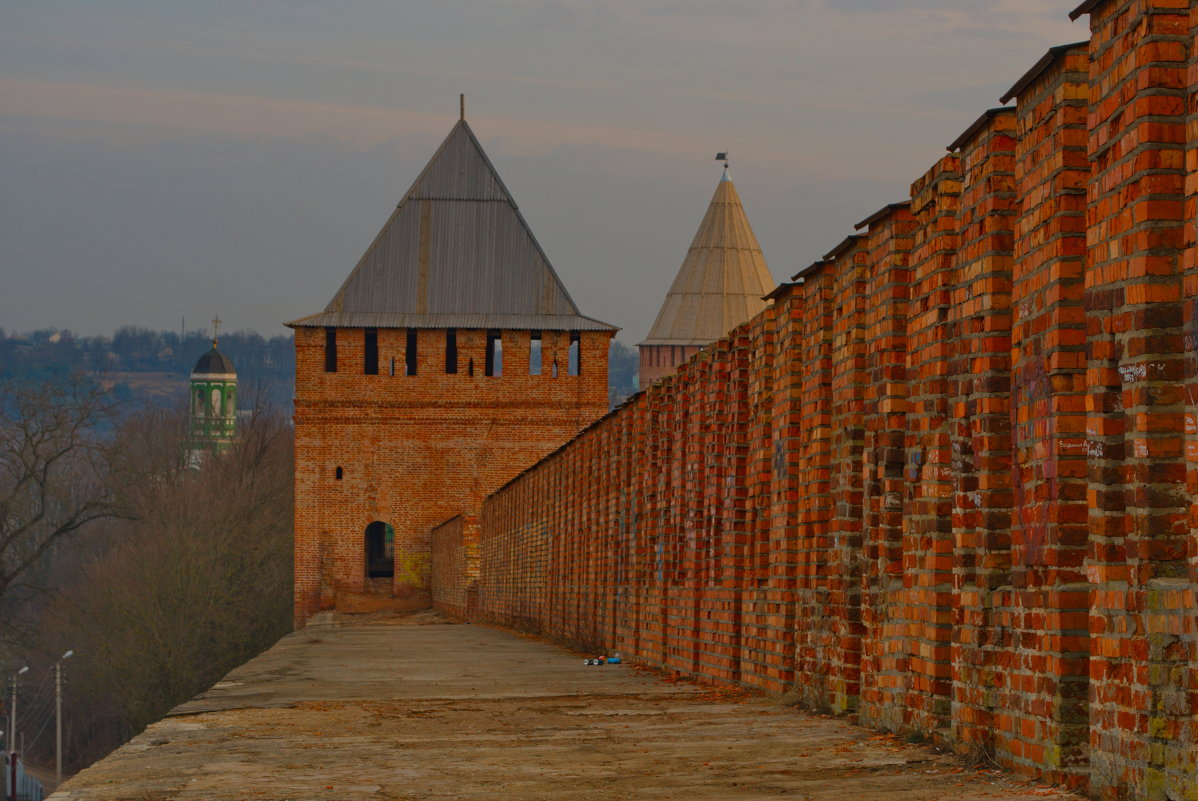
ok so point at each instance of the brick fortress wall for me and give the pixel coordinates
(416, 450)
(454, 557)
(948, 480)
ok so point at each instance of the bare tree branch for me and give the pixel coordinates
(53, 476)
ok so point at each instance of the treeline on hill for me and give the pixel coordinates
(160, 577)
(151, 367)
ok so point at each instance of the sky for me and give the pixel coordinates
(162, 162)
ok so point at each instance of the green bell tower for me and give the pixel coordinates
(213, 407)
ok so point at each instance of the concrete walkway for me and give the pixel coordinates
(397, 710)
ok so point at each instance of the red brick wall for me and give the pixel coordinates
(813, 630)
(650, 533)
(980, 428)
(417, 450)
(884, 678)
(949, 478)
(1043, 685)
(932, 331)
(763, 604)
(848, 270)
(1141, 564)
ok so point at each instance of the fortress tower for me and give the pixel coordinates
(721, 284)
(451, 359)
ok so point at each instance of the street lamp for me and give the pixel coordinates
(12, 713)
(58, 717)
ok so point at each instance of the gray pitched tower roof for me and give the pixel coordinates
(456, 253)
(722, 280)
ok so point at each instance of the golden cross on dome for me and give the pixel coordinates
(215, 329)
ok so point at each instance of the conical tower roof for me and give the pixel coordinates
(722, 279)
(456, 253)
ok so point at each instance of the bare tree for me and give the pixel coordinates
(191, 581)
(53, 472)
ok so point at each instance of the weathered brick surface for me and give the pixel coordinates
(662, 549)
(453, 574)
(814, 631)
(1041, 692)
(1141, 565)
(949, 478)
(848, 269)
(884, 677)
(980, 428)
(932, 342)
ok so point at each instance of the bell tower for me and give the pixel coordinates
(212, 411)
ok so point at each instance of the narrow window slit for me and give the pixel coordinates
(451, 351)
(534, 353)
(575, 357)
(494, 361)
(370, 351)
(330, 350)
(410, 353)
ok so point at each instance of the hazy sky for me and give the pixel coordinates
(162, 159)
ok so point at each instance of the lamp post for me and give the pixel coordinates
(12, 713)
(58, 717)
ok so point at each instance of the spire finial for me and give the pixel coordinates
(216, 321)
(462, 101)
(723, 154)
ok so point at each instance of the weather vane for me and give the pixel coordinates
(722, 156)
(215, 329)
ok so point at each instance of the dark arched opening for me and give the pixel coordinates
(380, 550)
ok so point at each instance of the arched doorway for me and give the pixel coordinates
(380, 550)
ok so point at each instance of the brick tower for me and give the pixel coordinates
(721, 284)
(451, 359)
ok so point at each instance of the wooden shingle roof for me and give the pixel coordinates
(722, 281)
(456, 253)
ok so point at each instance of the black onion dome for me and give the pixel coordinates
(214, 363)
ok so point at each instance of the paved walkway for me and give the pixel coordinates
(401, 711)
